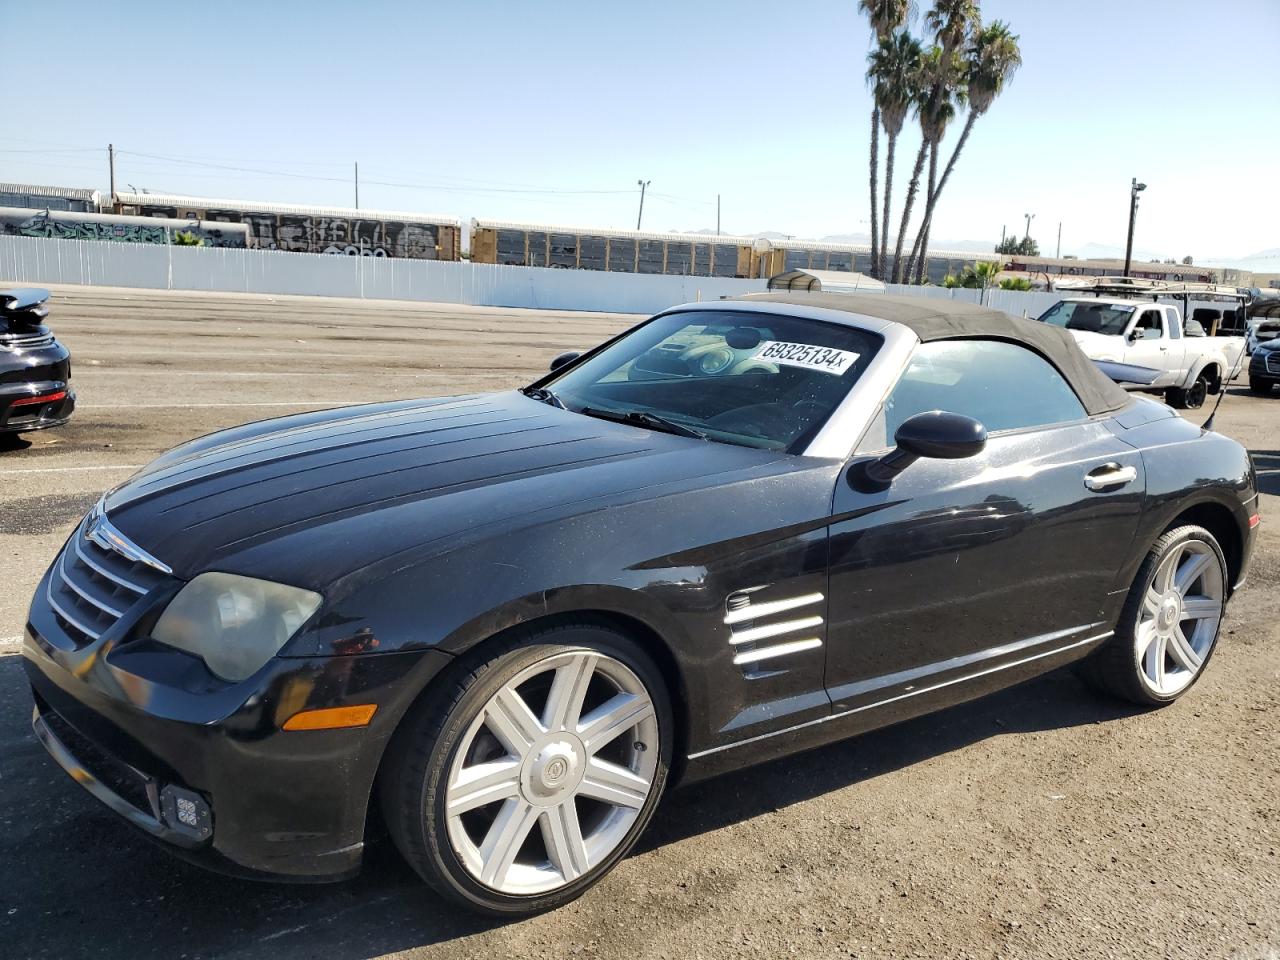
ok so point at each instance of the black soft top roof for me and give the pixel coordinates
(938, 319)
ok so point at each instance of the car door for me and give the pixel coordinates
(967, 565)
(1147, 344)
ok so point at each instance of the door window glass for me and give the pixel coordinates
(1001, 384)
(1149, 325)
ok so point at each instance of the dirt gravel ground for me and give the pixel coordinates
(1041, 822)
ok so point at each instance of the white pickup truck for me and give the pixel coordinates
(1181, 362)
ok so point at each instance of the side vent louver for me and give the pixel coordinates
(756, 635)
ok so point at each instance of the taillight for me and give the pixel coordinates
(46, 398)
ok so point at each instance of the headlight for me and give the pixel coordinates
(234, 624)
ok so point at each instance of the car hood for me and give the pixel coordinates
(307, 499)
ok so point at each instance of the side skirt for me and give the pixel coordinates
(850, 721)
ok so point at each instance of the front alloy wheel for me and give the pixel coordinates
(544, 785)
(524, 788)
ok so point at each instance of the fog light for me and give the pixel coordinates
(186, 812)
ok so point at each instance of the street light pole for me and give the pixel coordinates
(1030, 217)
(640, 216)
(1135, 188)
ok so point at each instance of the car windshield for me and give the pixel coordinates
(753, 379)
(1093, 316)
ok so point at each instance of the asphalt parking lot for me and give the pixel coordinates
(1041, 822)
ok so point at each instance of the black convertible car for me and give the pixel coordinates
(508, 621)
(35, 369)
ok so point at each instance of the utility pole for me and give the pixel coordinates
(1135, 188)
(717, 214)
(643, 184)
(357, 166)
(111, 163)
(1058, 255)
(1004, 229)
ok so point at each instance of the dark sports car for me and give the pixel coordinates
(509, 621)
(35, 369)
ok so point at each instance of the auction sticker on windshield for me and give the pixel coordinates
(806, 355)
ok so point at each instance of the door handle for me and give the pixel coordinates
(1110, 475)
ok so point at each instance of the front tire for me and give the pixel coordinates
(1258, 385)
(518, 786)
(1169, 626)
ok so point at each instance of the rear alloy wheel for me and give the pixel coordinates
(1170, 623)
(541, 775)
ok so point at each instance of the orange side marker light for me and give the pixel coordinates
(332, 718)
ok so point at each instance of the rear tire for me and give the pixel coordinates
(496, 789)
(1169, 626)
(1192, 398)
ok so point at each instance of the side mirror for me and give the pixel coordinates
(936, 434)
(1135, 335)
(563, 359)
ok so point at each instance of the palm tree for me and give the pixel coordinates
(924, 100)
(938, 88)
(991, 59)
(886, 17)
(894, 68)
(950, 21)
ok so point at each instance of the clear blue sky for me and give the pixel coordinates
(763, 103)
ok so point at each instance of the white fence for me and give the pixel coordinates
(1020, 303)
(161, 267)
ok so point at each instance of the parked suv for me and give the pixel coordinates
(1264, 366)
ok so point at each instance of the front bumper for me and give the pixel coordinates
(268, 804)
(1265, 365)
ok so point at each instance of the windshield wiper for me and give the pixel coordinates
(545, 395)
(642, 418)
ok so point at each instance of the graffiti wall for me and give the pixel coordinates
(60, 225)
(315, 233)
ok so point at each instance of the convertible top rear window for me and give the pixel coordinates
(760, 380)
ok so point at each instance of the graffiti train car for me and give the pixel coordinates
(69, 225)
(615, 251)
(334, 230)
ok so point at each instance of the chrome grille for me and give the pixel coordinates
(91, 587)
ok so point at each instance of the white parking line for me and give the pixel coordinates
(105, 466)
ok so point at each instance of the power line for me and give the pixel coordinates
(58, 150)
(403, 185)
